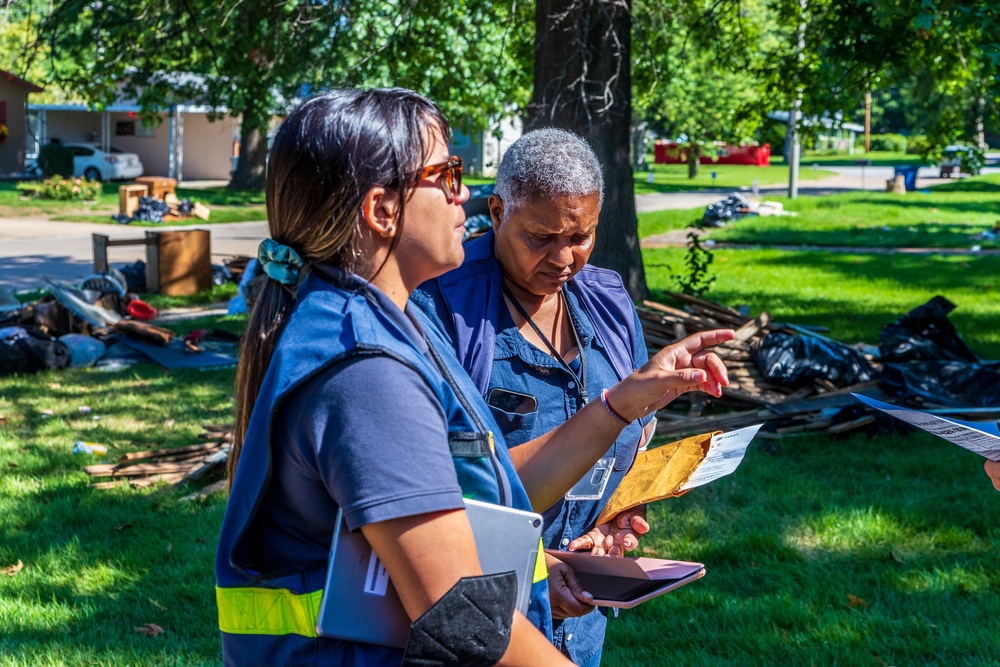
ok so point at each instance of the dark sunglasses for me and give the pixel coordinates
(452, 170)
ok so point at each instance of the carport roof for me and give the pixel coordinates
(16, 80)
(122, 108)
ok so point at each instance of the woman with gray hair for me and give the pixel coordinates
(543, 333)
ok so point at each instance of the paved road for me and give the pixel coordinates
(31, 248)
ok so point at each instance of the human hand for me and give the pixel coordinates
(566, 593)
(993, 470)
(614, 537)
(684, 366)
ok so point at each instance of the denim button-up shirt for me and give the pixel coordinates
(521, 367)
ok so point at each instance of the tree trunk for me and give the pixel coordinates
(250, 168)
(583, 84)
(694, 155)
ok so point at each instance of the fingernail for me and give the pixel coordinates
(698, 376)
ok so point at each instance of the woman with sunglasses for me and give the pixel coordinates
(347, 400)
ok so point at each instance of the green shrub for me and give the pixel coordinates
(55, 159)
(917, 145)
(895, 143)
(971, 159)
(57, 187)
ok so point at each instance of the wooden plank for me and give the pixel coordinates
(214, 487)
(698, 400)
(149, 481)
(823, 401)
(207, 465)
(706, 323)
(109, 485)
(811, 425)
(863, 420)
(752, 328)
(151, 453)
(709, 423)
(143, 469)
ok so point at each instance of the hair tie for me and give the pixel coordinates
(280, 262)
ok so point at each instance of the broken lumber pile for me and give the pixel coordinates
(750, 398)
(175, 465)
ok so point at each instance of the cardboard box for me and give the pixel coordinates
(158, 186)
(182, 261)
(128, 198)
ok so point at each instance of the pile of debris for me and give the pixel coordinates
(154, 199)
(175, 466)
(796, 380)
(99, 323)
(736, 206)
(169, 209)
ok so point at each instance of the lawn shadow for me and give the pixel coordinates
(108, 562)
(932, 234)
(801, 528)
(29, 271)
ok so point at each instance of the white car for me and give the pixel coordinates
(96, 165)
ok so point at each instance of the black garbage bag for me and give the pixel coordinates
(135, 275)
(476, 225)
(945, 382)
(731, 208)
(795, 361)
(30, 350)
(925, 334)
(221, 274)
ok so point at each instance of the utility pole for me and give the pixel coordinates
(868, 119)
(794, 116)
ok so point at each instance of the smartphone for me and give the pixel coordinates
(512, 401)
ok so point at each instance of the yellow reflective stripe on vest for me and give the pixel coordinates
(272, 611)
(541, 571)
(267, 611)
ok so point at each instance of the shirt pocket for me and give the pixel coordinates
(516, 427)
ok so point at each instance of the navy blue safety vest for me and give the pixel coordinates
(270, 618)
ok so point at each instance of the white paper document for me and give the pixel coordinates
(725, 453)
(983, 438)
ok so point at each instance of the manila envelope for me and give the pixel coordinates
(657, 474)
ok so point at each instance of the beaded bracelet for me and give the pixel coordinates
(614, 413)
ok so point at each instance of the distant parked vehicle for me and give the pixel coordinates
(94, 164)
(951, 166)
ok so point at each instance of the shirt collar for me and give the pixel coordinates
(351, 282)
(509, 345)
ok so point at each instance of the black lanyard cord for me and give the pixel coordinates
(581, 380)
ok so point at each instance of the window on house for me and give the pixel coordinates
(146, 128)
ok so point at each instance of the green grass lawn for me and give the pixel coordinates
(854, 295)
(878, 158)
(674, 177)
(908, 524)
(13, 206)
(226, 206)
(950, 215)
